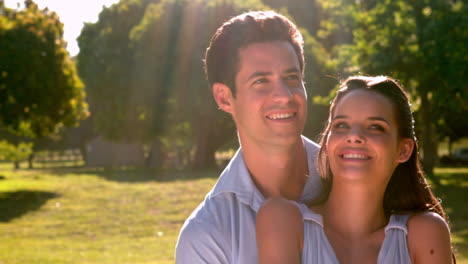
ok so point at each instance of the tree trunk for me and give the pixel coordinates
(16, 164)
(450, 147)
(82, 148)
(154, 158)
(429, 144)
(205, 150)
(30, 161)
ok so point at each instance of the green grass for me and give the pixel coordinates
(454, 195)
(95, 216)
(80, 215)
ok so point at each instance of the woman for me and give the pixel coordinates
(376, 206)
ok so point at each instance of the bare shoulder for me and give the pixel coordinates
(279, 229)
(427, 224)
(429, 238)
(278, 207)
(279, 214)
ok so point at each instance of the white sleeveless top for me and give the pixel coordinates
(317, 248)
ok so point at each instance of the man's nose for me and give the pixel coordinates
(281, 91)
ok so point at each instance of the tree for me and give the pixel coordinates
(307, 14)
(183, 30)
(106, 63)
(15, 153)
(421, 43)
(142, 66)
(39, 89)
(149, 85)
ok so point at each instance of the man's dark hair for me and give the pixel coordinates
(222, 55)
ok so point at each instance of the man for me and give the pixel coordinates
(255, 66)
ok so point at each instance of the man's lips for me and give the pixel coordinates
(281, 116)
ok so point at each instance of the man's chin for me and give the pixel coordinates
(287, 138)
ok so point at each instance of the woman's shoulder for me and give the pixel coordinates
(427, 224)
(429, 238)
(426, 219)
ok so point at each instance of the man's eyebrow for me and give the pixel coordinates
(258, 74)
(292, 70)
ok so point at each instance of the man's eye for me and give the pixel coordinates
(293, 80)
(260, 81)
(293, 77)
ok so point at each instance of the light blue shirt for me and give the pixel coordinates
(222, 227)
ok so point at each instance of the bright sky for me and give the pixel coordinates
(72, 13)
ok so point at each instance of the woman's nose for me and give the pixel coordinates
(355, 136)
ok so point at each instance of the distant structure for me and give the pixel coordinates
(103, 153)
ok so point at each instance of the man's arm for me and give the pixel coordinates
(280, 231)
(201, 243)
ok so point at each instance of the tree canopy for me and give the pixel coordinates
(142, 65)
(421, 43)
(40, 91)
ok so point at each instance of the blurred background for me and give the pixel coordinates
(110, 96)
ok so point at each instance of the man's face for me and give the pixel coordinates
(270, 105)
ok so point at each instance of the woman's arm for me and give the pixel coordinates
(429, 239)
(279, 232)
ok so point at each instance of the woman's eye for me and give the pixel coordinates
(340, 125)
(377, 127)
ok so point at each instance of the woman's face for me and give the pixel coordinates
(363, 143)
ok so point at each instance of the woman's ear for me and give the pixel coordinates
(406, 149)
(223, 96)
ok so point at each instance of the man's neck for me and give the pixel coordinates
(278, 171)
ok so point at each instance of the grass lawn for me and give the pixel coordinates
(81, 215)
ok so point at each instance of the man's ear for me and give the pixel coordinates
(406, 149)
(223, 97)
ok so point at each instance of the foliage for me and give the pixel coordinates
(142, 65)
(317, 82)
(146, 82)
(39, 89)
(105, 64)
(15, 153)
(420, 43)
(174, 70)
(143, 70)
(306, 14)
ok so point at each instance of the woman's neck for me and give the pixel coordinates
(354, 210)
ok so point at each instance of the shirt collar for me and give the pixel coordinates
(236, 179)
